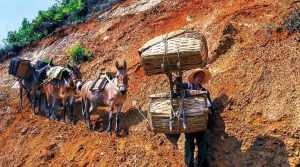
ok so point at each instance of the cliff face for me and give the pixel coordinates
(255, 86)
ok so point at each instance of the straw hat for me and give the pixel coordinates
(206, 75)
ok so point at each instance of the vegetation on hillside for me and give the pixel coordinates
(79, 54)
(62, 13)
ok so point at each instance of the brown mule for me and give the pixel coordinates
(63, 91)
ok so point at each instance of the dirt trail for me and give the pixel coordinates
(255, 87)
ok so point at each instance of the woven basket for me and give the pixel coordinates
(188, 47)
(196, 111)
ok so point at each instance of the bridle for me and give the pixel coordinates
(117, 86)
(111, 82)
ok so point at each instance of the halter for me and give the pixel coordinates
(111, 82)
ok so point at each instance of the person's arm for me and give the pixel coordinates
(182, 85)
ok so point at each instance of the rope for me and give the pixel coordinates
(163, 65)
(144, 117)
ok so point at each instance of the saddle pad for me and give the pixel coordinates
(100, 84)
(56, 72)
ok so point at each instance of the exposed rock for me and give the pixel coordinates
(225, 43)
(137, 7)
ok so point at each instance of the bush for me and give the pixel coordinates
(78, 54)
(292, 24)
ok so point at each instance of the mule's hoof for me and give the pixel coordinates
(117, 131)
(108, 131)
(54, 118)
(118, 134)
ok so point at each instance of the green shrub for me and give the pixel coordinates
(78, 54)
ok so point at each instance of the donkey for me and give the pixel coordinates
(62, 91)
(31, 85)
(113, 96)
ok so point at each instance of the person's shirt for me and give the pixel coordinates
(192, 86)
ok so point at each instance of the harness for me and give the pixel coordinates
(105, 80)
(111, 82)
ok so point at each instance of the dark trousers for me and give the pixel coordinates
(189, 148)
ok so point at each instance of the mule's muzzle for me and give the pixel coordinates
(123, 90)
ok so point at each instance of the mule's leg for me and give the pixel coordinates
(65, 104)
(83, 108)
(67, 112)
(39, 102)
(34, 101)
(30, 99)
(44, 105)
(71, 110)
(50, 103)
(91, 108)
(47, 109)
(110, 119)
(117, 128)
(87, 107)
(52, 109)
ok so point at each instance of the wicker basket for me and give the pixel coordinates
(195, 107)
(188, 47)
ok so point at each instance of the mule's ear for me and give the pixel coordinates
(117, 64)
(69, 66)
(125, 64)
(51, 62)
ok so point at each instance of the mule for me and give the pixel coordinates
(113, 96)
(31, 85)
(63, 91)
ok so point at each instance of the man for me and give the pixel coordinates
(196, 79)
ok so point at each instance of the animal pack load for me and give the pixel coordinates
(57, 73)
(182, 49)
(102, 80)
(195, 108)
(20, 68)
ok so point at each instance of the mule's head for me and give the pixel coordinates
(74, 82)
(76, 74)
(121, 76)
